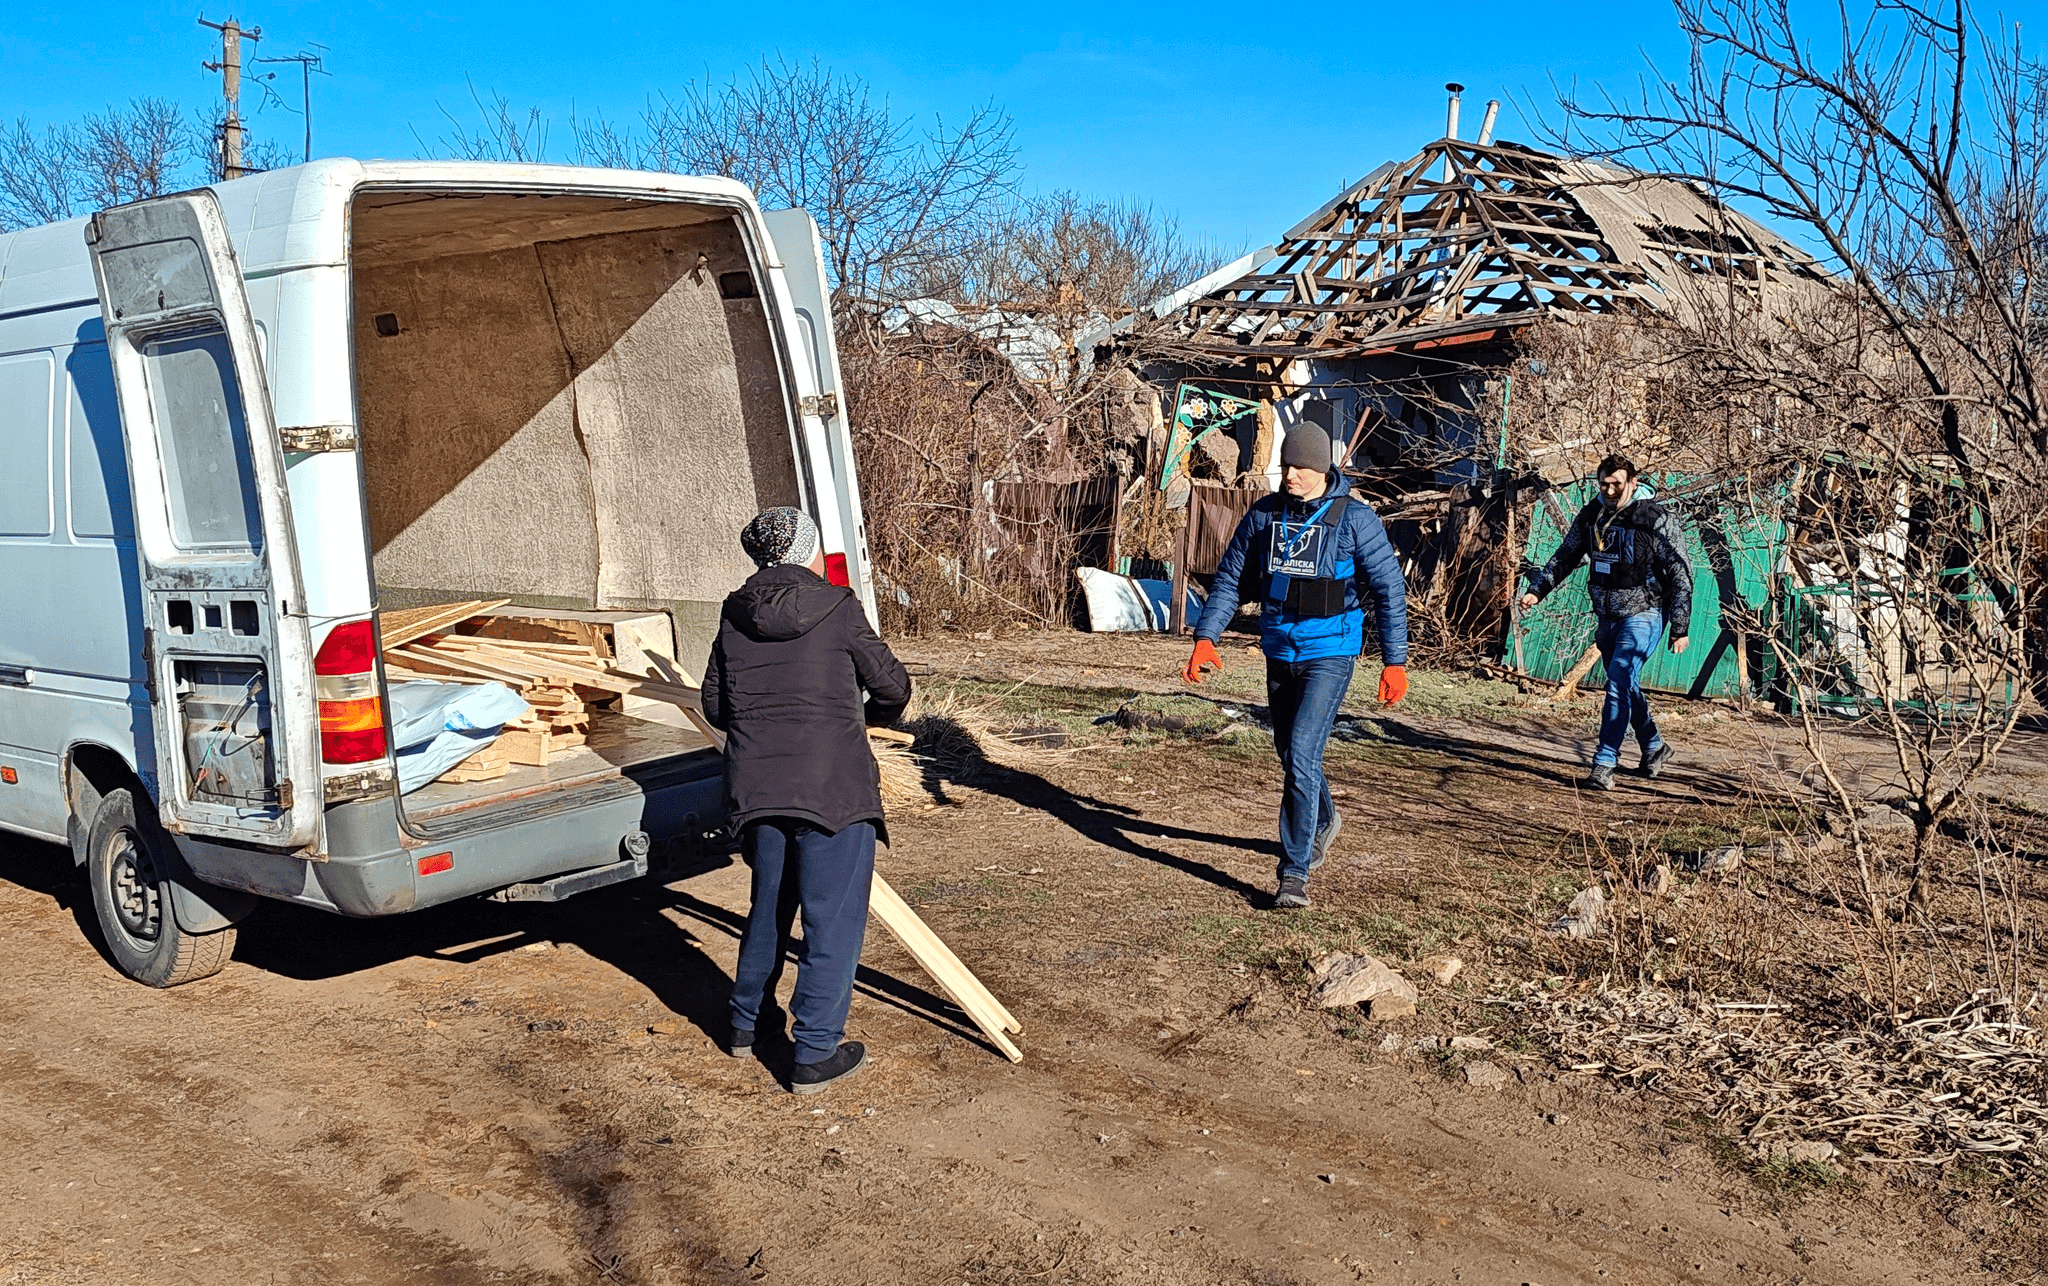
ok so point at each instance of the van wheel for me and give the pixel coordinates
(131, 894)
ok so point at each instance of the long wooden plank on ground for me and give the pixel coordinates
(402, 627)
(952, 976)
(924, 946)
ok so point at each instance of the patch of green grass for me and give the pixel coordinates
(1793, 1180)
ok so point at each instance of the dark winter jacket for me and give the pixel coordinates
(1637, 560)
(1352, 547)
(784, 683)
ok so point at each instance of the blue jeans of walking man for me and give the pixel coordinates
(1303, 697)
(1625, 643)
(825, 875)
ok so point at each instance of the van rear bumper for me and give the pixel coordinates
(372, 869)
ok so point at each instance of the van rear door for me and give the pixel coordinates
(795, 235)
(227, 645)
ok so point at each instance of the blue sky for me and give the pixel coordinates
(1238, 118)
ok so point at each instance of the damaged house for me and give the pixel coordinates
(1464, 322)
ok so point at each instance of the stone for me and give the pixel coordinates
(1426, 1044)
(1802, 1151)
(1657, 880)
(1557, 1118)
(1390, 1044)
(663, 1028)
(1443, 968)
(1341, 979)
(1725, 860)
(1387, 1008)
(1479, 1044)
(1486, 1076)
(1584, 917)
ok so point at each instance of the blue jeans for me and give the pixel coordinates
(826, 875)
(1303, 697)
(1625, 643)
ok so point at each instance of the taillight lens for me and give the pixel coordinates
(835, 570)
(351, 648)
(351, 710)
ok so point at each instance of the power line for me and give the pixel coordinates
(309, 64)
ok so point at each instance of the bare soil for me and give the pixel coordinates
(493, 1093)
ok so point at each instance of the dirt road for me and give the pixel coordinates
(492, 1093)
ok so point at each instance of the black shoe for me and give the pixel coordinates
(810, 1078)
(1291, 896)
(1599, 777)
(1320, 851)
(742, 1043)
(1654, 760)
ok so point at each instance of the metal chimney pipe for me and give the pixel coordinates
(1486, 122)
(1451, 119)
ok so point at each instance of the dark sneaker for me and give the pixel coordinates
(1292, 895)
(1654, 760)
(811, 1078)
(1599, 777)
(1325, 837)
(742, 1043)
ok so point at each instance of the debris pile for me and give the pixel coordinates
(1968, 1083)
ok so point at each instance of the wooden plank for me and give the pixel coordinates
(416, 657)
(892, 734)
(400, 628)
(952, 976)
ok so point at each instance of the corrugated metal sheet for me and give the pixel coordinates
(1733, 556)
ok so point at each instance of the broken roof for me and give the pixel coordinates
(1467, 238)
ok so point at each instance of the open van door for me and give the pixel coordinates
(227, 647)
(795, 235)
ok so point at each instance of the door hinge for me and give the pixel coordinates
(318, 437)
(285, 794)
(825, 406)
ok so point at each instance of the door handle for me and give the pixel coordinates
(16, 676)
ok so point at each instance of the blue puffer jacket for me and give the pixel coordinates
(1359, 551)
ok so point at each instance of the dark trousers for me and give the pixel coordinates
(1303, 698)
(826, 875)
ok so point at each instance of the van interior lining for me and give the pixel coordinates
(559, 405)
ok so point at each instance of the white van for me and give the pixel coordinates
(236, 422)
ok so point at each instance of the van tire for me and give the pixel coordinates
(127, 865)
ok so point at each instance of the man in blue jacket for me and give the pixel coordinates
(1304, 552)
(1638, 579)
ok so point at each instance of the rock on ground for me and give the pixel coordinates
(1585, 917)
(1443, 969)
(1341, 979)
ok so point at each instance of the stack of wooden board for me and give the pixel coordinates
(564, 669)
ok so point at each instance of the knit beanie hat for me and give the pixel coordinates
(1307, 446)
(780, 535)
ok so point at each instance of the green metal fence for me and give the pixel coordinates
(1734, 553)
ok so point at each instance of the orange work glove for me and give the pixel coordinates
(1205, 654)
(1393, 684)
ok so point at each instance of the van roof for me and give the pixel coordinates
(297, 217)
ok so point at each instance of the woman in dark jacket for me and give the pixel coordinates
(784, 683)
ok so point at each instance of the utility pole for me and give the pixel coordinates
(230, 68)
(308, 64)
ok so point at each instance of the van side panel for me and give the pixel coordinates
(72, 641)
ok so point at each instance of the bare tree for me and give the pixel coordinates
(1894, 421)
(35, 175)
(896, 203)
(501, 132)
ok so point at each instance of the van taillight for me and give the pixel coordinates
(351, 710)
(835, 570)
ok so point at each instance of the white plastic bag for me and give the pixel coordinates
(435, 726)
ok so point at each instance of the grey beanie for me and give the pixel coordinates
(780, 535)
(1307, 446)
